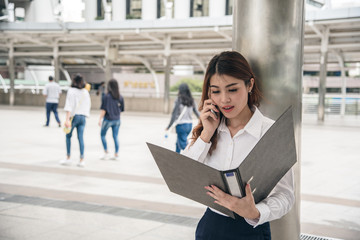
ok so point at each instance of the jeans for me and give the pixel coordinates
(78, 122)
(182, 131)
(51, 107)
(115, 125)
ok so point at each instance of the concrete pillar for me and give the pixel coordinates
(181, 9)
(343, 83)
(217, 8)
(167, 84)
(90, 12)
(323, 74)
(270, 35)
(109, 57)
(39, 11)
(148, 9)
(56, 63)
(119, 10)
(322, 86)
(108, 73)
(11, 67)
(169, 10)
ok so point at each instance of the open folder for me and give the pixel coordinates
(270, 159)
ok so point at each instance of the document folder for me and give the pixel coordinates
(270, 159)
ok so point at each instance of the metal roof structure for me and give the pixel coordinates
(190, 41)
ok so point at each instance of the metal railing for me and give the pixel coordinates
(333, 104)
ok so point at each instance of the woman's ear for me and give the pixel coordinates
(251, 84)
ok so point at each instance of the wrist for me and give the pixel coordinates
(256, 214)
(205, 137)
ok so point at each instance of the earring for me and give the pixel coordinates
(250, 92)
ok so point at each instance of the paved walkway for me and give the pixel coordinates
(127, 199)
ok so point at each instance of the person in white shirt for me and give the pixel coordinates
(77, 107)
(230, 126)
(52, 93)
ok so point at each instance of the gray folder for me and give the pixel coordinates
(270, 159)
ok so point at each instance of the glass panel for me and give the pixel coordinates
(229, 7)
(200, 8)
(134, 9)
(163, 8)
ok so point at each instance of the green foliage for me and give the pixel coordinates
(99, 18)
(132, 16)
(195, 85)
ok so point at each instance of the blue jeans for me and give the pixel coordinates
(51, 107)
(115, 125)
(78, 122)
(182, 131)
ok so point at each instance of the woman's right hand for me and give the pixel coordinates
(67, 123)
(209, 120)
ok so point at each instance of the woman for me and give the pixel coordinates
(111, 106)
(183, 116)
(77, 107)
(230, 126)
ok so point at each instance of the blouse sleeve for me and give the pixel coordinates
(278, 203)
(104, 103)
(122, 102)
(70, 102)
(175, 112)
(198, 151)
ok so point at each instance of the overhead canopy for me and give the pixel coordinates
(190, 41)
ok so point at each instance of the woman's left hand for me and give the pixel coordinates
(244, 206)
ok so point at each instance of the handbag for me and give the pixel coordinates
(68, 129)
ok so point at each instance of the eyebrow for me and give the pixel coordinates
(230, 85)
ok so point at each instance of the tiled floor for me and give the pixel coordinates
(127, 199)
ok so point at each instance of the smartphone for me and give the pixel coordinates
(215, 113)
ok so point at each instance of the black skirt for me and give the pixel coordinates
(213, 226)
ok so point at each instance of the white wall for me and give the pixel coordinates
(149, 9)
(118, 10)
(181, 9)
(217, 8)
(39, 11)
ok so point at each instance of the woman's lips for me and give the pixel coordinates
(227, 109)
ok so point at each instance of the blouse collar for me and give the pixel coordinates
(253, 127)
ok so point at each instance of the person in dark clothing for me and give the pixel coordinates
(181, 116)
(111, 107)
(101, 91)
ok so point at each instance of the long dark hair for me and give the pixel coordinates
(78, 82)
(233, 64)
(184, 95)
(113, 88)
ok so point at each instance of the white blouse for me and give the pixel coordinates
(231, 151)
(78, 102)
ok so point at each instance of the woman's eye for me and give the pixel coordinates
(233, 90)
(215, 92)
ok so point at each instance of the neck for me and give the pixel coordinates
(241, 120)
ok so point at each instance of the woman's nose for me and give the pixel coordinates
(225, 98)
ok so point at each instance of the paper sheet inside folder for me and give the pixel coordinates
(233, 183)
